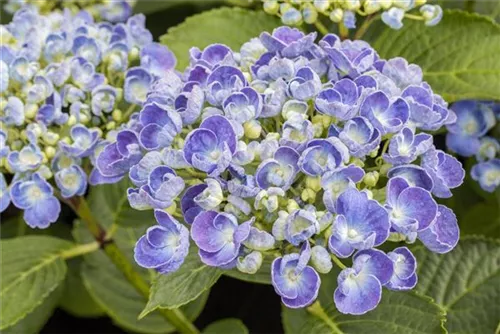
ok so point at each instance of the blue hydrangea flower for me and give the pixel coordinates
(84, 75)
(4, 194)
(13, 112)
(84, 142)
(117, 158)
(296, 133)
(219, 237)
(223, 81)
(157, 59)
(473, 121)
(72, 181)
(394, 17)
(432, 14)
(160, 126)
(160, 192)
(340, 101)
(36, 198)
(442, 236)
(305, 85)
(350, 58)
(406, 146)
(296, 282)
(414, 175)
(290, 42)
(359, 288)
(210, 147)
(405, 266)
(164, 246)
(137, 84)
(243, 106)
(386, 116)
(446, 172)
(27, 159)
(359, 135)
(488, 149)
(300, 226)
(487, 174)
(411, 209)
(336, 182)
(139, 174)
(279, 171)
(360, 223)
(322, 155)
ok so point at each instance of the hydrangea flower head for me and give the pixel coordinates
(286, 144)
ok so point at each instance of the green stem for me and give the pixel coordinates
(343, 31)
(414, 17)
(80, 250)
(366, 24)
(338, 262)
(174, 316)
(317, 310)
(127, 113)
(321, 27)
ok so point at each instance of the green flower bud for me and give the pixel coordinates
(371, 178)
(273, 135)
(133, 54)
(372, 6)
(322, 5)
(385, 4)
(119, 94)
(50, 151)
(352, 5)
(30, 110)
(313, 183)
(310, 14)
(321, 260)
(420, 2)
(336, 15)
(252, 129)
(50, 138)
(292, 206)
(117, 115)
(71, 120)
(324, 120)
(66, 140)
(284, 7)
(84, 119)
(358, 162)
(12, 135)
(111, 125)
(45, 171)
(292, 17)
(385, 168)
(271, 7)
(308, 195)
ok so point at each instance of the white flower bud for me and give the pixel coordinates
(252, 129)
(336, 15)
(251, 263)
(321, 260)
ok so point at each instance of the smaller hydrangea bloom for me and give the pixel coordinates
(290, 42)
(210, 147)
(84, 142)
(445, 170)
(322, 155)
(160, 126)
(336, 182)
(359, 288)
(300, 226)
(488, 149)
(406, 146)
(340, 101)
(386, 115)
(405, 266)
(411, 209)
(394, 17)
(359, 136)
(117, 158)
(279, 171)
(296, 282)
(164, 246)
(414, 175)
(72, 181)
(487, 174)
(360, 223)
(442, 236)
(36, 198)
(219, 237)
(28, 159)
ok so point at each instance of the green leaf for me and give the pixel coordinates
(110, 200)
(263, 276)
(35, 320)
(398, 312)
(31, 269)
(77, 300)
(115, 295)
(486, 7)
(184, 285)
(229, 26)
(229, 326)
(482, 218)
(459, 56)
(148, 7)
(465, 282)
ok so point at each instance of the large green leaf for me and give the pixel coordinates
(459, 56)
(183, 286)
(116, 296)
(152, 6)
(226, 326)
(466, 283)
(31, 268)
(34, 321)
(230, 26)
(110, 201)
(398, 312)
(77, 300)
(263, 276)
(489, 8)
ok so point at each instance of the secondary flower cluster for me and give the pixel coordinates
(65, 81)
(294, 12)
(113, 11)
(293, 150)
(468, 137)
